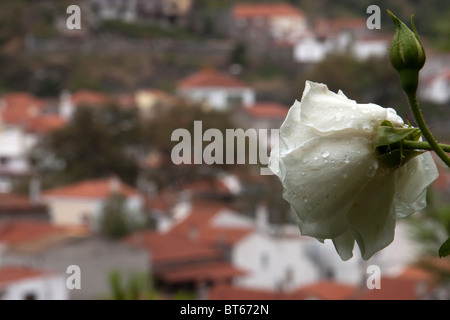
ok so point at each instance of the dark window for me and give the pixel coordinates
(30, 296)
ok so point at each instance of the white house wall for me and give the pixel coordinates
(283, 28)
(438, 91)
(366, 49)
(14, 146)
(42, 288)
(218, 98)
(73, 211)
(269, 261)
(227, 218)
(65, 211)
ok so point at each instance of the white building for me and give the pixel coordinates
(270, 261)
(273, 262)
(367, 47)
(280, 22)
(21, 283)
(312, 49)
(340, 36)
(81, 203)
(15, 145)
(125, 10)
(436, 88)
(216, 90)
(17, 112)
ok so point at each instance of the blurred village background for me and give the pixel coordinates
(86, 176)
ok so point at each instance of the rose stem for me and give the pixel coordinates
(425, 131)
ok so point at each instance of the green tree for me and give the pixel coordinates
(239, 54)
(97, 142)
(116, 220)
(157, 134)
(136, 286)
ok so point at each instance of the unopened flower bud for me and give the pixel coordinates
(407, 54)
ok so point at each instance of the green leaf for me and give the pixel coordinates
(444, 250)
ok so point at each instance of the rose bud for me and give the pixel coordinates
(407, 54)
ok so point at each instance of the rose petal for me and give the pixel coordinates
(414, 179)
(372, 216)
(293, 132)
(327, 111)
(344, 244)
(327, 228)
(274, 160)
(324, 175)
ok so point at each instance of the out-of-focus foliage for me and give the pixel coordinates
(431, 228)
(116, 218)
(134, 286)
(96, 143)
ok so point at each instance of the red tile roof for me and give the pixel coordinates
(324, 27)
(45, 123)
(267, 110)
(229, 292)
(214, 271)
(206, 185)
(210, 78)
(28, 232)
(419, 274)
(166, 248)
(265, 10)
(101, 188)
(126, 100)
(348, 23)
(17, 203)
(10, 274)
(88, 97)
(192, 238)
(326, 290)
(198, 227)
(20, 107)
(398, 288)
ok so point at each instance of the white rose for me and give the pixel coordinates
(328, 166)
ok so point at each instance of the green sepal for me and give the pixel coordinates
(444, 250)
(387, 135)
(397, 158)
(388, 143)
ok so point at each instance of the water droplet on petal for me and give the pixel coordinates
(371, 171)
(316, 157)
(325, 154)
